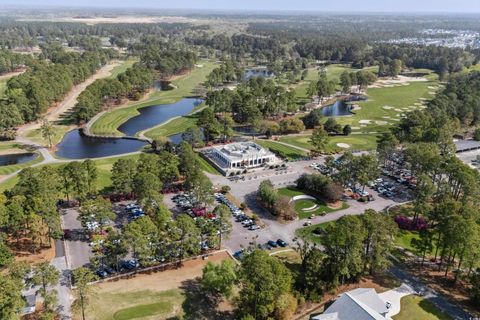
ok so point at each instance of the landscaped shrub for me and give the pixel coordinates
(406, 223)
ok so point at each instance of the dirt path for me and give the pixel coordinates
(70, 100)
(11, 74)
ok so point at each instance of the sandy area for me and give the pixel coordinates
(165, 280)
(343, 145)
(399, 81)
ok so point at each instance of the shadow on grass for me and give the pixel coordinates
(428, 307)
(199, 306)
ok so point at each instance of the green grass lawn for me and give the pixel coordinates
(303, 204)
(399, 100)
(414, 307)
(404, 240)
(177, 125)
(287, 152)
(307, 233)
(123, 67)
(108, 123)
(144, 310)
(333, 73)
(58, 133)
(206, 166)
(356, 141)
(141, 304)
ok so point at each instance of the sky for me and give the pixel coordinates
(464, 6)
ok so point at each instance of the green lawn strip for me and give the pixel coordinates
(307, 233)
(206, 166)
(175, 126)
(123, 67)
(305, 203)
(414, 307)
(355, 141)
(108, 123)
(10, 147)
(6, 170)
(58, 133)
(139, 304)
(290, 153)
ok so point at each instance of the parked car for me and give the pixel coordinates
(254, 227)
(272, 243)
(102, 273)
(282, 243)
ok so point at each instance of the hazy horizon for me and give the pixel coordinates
(348, 6)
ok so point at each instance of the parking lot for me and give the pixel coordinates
(245, 191)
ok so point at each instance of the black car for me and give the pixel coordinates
(102, 273)
(282, 243)
(272, 244)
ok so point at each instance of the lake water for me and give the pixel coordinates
(16, 158)
(264, 73)
(77, 146)
(339, 108)
(154, 115)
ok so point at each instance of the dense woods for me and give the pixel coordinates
(130, 84)
(30, 94)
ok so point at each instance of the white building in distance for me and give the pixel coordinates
(241, 155)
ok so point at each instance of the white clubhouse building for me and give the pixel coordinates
(241, 155)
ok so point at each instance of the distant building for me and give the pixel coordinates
(358, 304)
(241, 155)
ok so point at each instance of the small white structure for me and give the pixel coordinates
(241, 155)
(358, 304)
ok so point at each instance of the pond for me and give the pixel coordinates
(16, 158)
(77, 146)
(250, 73)
(339, 108)
(154, 115)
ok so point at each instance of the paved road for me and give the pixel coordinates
(77, 249)
(245, 191)
(439, 301)
(63, 288)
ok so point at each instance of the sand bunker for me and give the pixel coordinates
(398, 81)
(365, 121)
(387, 107)
(381, 123)
(343, 145)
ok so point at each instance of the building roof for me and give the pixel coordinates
(358, 304)
(466, 145)
(243, 150)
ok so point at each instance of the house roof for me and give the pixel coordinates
(358, 304)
